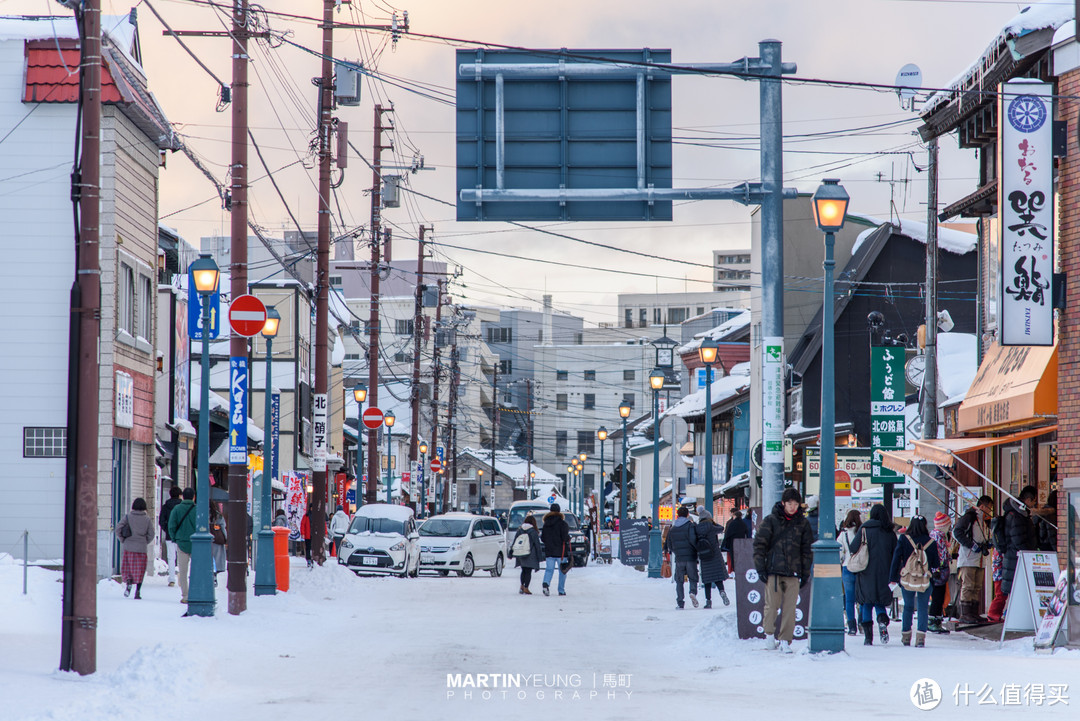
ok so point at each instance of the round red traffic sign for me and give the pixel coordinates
(373, 418)
(436, 465)
(247, 315)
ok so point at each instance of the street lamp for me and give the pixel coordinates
(388, 420)
(624, 412)
(581, 487)
(601, 434)
(265, 574)
(830, 203)
(201, 600)
(359, 393)
(480, 490)
(423, 494)
(656, 382)
(707, 352)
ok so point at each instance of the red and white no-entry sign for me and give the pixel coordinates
(373, 418)
(247, 315)
(436, 465)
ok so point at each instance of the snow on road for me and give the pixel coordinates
(338, 646)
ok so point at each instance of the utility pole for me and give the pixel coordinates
(930, 383)
(451, 419)
(529, 436)
(494, 431)
(418, 318)
(78, 637)
(373, 323)
(436, 372)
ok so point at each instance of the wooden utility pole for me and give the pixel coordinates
(494, 434)
(418, 319)
(373, 323)
(451, 418)
(78, 639)
(436, 372)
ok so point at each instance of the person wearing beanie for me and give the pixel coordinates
(939, 578)
(713, 567)
(783, 559)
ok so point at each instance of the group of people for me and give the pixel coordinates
(549, 547)
(692, 544)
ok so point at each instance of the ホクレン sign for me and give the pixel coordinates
(888, 430)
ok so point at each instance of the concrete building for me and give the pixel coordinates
(641, 310)
(297, 251)
(732, 276)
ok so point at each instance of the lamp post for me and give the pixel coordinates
(601, 434)
(388, 421)
(707, 352)
(201, 590)
(656, 382)
(423, 494)
(480, 490)
(359, 392)
(624, 412)
(265, 575)
(581, 487)
(826, 607)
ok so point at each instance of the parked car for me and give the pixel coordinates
(382, 538)
(462, 542)
(579, 546)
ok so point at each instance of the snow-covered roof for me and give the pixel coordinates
(954, 241)
(62, 27)
(510, 464)
(384, 510)
(735, 482)
(723, 390)
(719, 333)
(957, 362)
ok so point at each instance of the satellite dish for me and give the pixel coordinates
(908, 80)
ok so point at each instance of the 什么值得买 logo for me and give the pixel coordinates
(1027, 113)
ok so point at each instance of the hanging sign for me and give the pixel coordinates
(772, 400)
(1026, 205)
(887, 426)
(318, 434)
(238, 378)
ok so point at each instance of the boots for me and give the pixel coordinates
(524, 590)
(708, 603)
(883, 627)
(905, 638)
(724, 598)
(920, 639)
(935, 625)
(547, 592)
(138, 591)
(868, 633)
(127, 591)
(969, 612)
(852, 627)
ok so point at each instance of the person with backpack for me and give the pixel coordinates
(682, 541)
(527, 552)
(1013, 532)
(972, 534)
(849, 529)
(913, 562)
(872, 583)
(556, 540)
(783, 559)
(713, 568)
(939, 579)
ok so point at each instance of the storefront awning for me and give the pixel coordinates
(942, 451)
(900, 461)
(1014, 385)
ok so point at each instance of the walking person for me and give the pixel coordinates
(527, 551)
(1020, 535)
(872, 584)
(181, 528)
(939, 579)
(682, 542)
(555, 538)
(913, 562)
(339, 526)
(783, 559)
(305, 532)
(849, 529)
(734, 530)
(972, 533)
(218, 541)
(713, 567)
(136, 533)
(163, 524)
(280, 519)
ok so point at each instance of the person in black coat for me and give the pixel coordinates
(163, 523)
(713, 568)
(528, 562)
(556, 539)
(1020, 534)
(681, 540)
(783, 560)
(872, 583)
(734, 530)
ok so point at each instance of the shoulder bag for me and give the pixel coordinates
(861, 558)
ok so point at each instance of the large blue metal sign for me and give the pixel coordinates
(238, 401)
(543, 122)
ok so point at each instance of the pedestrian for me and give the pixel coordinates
(939, 579)
(682, 542)
(163, 524)
(812, 509)
(305, 532)
(339, 526)
(734, 530)
(181, 528)
(972, 534)
(713, 567)
(913, 562)
(527, 551)
(1045, 520)
(280, 520)
(783, 559)
(555, 537)
(872, 584)
(1020, 535)
(849, 529)
(218, 541)
(136, 532)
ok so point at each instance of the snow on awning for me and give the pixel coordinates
(743, 479)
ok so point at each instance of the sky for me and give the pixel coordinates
(844, 40)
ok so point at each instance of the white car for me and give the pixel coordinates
(382, 538)
(462, 542)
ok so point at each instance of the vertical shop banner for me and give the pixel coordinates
(238, 413)
(887, 428)
(275, 433)
(1026, 205)
(772, 400)
(318, 434)
(181, 365)
(295, 502)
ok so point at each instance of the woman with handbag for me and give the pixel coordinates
(871, 553)
(849, 529)
(528, 553)
(217, 547)
(136, 533)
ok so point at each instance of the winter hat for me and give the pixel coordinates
(941, 522)
(555, 508)
(704, 513)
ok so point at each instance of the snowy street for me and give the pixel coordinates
(391, 648)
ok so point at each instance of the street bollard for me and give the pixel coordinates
(281, 558)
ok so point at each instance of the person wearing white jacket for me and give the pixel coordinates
(339, 526)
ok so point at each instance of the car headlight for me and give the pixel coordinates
(399, 546)
(455, 546)
(346, 544)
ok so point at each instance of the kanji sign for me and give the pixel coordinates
(373, 418)
(319, 433)
(247, 315)
(238, 379)
(772, 400)
(1026, 202)
(887, 427)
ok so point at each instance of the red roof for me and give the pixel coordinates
(49, 81)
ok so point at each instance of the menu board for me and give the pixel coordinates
(634, 542)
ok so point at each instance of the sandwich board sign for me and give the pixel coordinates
(1033, 588)
(1046, 637)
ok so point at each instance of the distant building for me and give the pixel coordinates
(732, 276)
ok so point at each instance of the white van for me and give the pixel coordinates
(382, 538)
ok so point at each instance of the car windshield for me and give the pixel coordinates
(376, 525)
(457, 527)
(517, 515)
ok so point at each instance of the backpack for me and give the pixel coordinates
(998, 538)
(915, 575)
(522, 546)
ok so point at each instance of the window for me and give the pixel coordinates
(586, 442)
(628, 398)
(560, 443)
(590, 401)
(44, 442)
(146, 308)
(335, 281)
(126, 300)
(506, 367)
(701, 310)
(560, 402)
(643, 318)
(676, 315)
(561, 375)
(354, 326)
(472, 489)
(579, 338)
(352, 356)
(402, 357)
(628, 375)
(403, 327)
(656, 316)
(500, 335)
(590, 375)
(629, 319)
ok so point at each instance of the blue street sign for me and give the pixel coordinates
(195, 312)
(439, 452)
(238, 400)
(699, 377)
(350, 495)
(275, 431)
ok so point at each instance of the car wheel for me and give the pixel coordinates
(467, 566)
(444, 574)
(498, 569)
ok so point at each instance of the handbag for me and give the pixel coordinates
(124, 529)
(218, 534)
(861, 558)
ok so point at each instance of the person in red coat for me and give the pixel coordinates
(305, 532)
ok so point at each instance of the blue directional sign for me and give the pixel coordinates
(195, 329)
(350, 495)
(238, 402)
